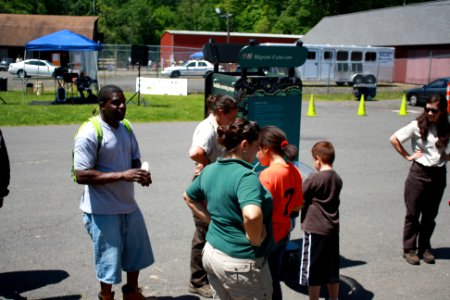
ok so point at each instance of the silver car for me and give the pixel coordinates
(189, 68)
(32, 67)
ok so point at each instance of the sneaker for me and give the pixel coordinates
(204, 291)
(411, 257)
(106, 297)
(130, 293)
(428, 257)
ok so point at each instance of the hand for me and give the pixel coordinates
(198, 169)
(263, 234)
(261, 238)
(138, 175)
(147, 179)
(415, 155)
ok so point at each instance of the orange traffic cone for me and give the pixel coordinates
(448, 96)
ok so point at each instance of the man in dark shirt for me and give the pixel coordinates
(83, 84)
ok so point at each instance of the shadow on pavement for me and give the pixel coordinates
(69, 297)
(347, 263)
(348, 287)
(442, 253)
(184, 297)
(12, 284)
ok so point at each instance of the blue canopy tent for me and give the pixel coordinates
(82, 51)
(197, 55)
(62, 40)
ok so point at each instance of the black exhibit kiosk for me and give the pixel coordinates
(264, 84)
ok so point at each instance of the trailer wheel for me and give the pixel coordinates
(370, 79)
(358, 79)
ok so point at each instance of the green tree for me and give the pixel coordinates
(144, 21)
(197, 15)
(16, 7)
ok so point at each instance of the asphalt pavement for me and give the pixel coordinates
(45, 253)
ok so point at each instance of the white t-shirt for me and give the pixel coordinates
(119, 147)
(431, 154)
(205, 137)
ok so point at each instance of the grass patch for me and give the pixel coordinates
(24, 109)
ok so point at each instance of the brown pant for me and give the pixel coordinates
(424, 189)
(198, 273)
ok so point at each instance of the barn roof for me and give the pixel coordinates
(17, 30)
(416, 24)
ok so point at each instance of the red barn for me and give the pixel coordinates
(178, 45)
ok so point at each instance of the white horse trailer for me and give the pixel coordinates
(347, 64)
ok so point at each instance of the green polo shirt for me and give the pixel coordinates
(228, 185)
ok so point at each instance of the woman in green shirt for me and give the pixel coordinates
(238, 211)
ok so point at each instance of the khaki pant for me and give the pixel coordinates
(237, 278)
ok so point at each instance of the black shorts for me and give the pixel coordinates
(320, 260)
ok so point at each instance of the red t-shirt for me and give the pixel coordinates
(284, 182)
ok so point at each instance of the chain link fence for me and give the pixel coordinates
(427, 66)
(114, 57)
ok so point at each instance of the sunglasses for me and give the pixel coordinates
(433, 110)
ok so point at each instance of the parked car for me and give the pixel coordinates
(419, 96)
(32, 67)
(4, 64)
(189, 68)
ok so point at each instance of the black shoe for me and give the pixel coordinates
(411, 257)
(204, 291)
(428, 257)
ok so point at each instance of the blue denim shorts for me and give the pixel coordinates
(121, 242)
